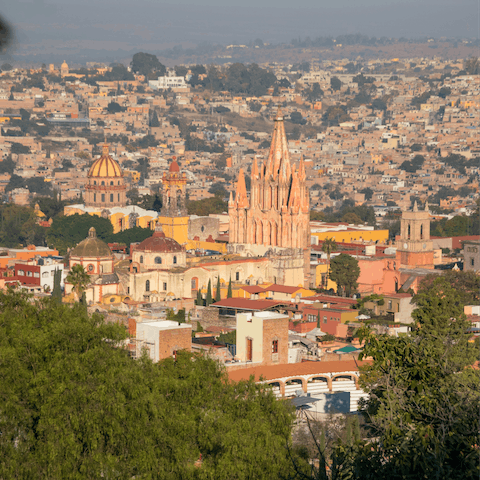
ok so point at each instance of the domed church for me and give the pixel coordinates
(106, 187)
(95, 256)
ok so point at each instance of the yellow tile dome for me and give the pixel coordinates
(105, 166)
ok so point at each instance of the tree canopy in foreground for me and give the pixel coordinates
(73, 404)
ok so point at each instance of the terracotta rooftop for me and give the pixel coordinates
(293, 369)
(246, 304)
(281, 289)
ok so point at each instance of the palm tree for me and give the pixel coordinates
(79, 278)
(329, 245)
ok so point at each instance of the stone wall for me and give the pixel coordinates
(203, 227)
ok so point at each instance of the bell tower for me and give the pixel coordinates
(414, 247)
(174, 217)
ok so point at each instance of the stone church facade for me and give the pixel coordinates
(274, 220)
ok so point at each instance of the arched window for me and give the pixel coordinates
(147, 286)
(111, 183)
(141, 258)
(421, 232)
(94, 182)
(174, 259)
(158, 260)
(103, 183)
(408, 232)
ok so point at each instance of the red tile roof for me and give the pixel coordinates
(294, 369)
(281, 289)
(247, 304)
(252, 289)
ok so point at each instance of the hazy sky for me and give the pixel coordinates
(112, 25)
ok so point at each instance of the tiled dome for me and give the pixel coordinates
(91, 247)
(159, 243)
(105, 166)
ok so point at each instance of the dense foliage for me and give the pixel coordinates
(68, 231)
(344, 271)
(424, 393)
(73, 404)
(18, 227)
(206, 206)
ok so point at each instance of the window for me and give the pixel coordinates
(94, 197)
(325, 319)
(237, 276)
(94, 182)
(90, 268)
(45, 275)
(111, 183)
(421, 232)
(472, 262)
(147, 286)
(141, 258)
(174, 259)
(128, 290)
(103, 197)
(158, 260)
(408, 232)
(275, 346)
(29, 274)
(103, 183)
(118, 197)
(389, 304)
(111, 198)
(164, 285)
(36, 275)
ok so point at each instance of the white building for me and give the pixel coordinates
(169, 81)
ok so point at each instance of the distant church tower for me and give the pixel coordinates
(276, 217)
(414, 247)
(174, 217)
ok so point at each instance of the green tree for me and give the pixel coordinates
(206, 206)
(335, 83)
(146, 63)
(57, 291)
(154, 122)
(74, 404)
(344, 271)
(351, 217)
(79, 279)
(18, 227)
(114, 107)
(68, 231)
(218, 293)
(229, 291)
(329, 245)
(423, 394)
(209, 299)
(199, 300)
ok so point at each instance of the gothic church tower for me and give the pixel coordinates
(276, 217)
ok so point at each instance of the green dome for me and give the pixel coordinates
(91, 247)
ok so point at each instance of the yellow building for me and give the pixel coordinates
(321, 277)
(343, 233)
